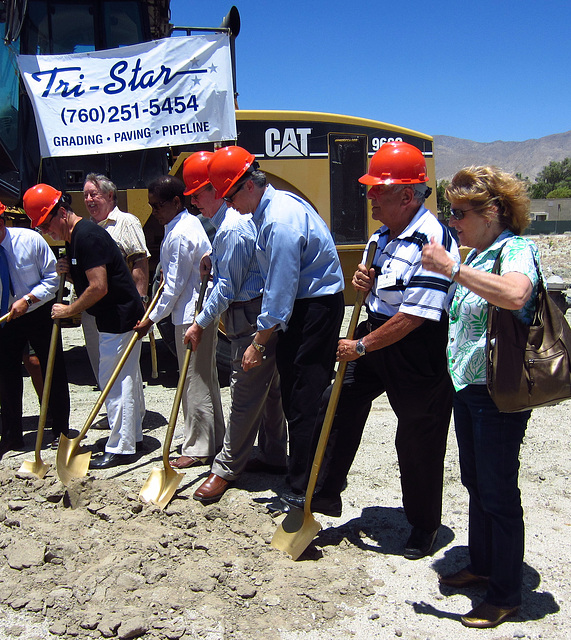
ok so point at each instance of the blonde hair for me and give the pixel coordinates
(489, 188)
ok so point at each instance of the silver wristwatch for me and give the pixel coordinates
(28, 300)
(360, 348)
(455, 269)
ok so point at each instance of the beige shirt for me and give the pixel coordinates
(127, 231)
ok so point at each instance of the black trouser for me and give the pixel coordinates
(413, 372)
(34, 327)
(305, 358)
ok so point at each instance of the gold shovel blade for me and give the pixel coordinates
(160, 486)
(296, 532)
(37, 468)
(71, 460)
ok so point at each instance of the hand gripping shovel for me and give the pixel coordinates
(300, 527)
(38, 467)
(71, 460)
(161, 484)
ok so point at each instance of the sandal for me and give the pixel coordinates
(184, 462)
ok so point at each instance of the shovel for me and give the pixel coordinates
(161, 484)
(72, 461)
(299, 527)
(4, 317)
(38, 467)
(154, 361)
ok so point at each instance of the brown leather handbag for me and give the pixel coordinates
(528, 366)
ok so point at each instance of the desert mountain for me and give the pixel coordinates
(527, 157)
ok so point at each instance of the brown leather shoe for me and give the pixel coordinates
(486, 616)
(211, 490)
(462, 578)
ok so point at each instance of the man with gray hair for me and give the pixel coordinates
(400, 349)
(100, 195)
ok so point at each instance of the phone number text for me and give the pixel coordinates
(127, 112)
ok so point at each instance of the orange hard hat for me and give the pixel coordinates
(39, 201)
(396, 163)
(227, 166)
(195, 171)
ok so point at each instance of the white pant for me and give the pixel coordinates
(91, 336)
(123, 403)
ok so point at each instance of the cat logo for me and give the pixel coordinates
(292, 143)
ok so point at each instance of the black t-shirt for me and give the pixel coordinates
(91, 246)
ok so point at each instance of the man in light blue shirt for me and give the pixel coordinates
(303, 293)
(237, 296)
(33, 284)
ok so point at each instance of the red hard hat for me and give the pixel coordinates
(227, 166)
(396, 163)
(195, 171)
(39, 201)
(2, 208)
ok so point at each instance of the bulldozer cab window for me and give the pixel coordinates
(64, 27)
(348, 162)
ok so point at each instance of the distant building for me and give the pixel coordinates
(550, 215)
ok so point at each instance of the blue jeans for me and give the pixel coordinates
(489, 443)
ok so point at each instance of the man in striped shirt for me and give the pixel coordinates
(400, 349)
(237, 293)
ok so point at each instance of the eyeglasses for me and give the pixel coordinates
(196, 196)
(230, 199)
(458, 214)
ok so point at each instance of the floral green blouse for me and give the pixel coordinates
(469, 312)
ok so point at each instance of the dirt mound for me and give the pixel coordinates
(95, 561)
(92, 561)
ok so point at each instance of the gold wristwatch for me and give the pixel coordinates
(260, 348)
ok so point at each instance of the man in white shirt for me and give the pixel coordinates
(182, 248)
(29, 284)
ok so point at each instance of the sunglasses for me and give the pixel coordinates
(458, 214)
(230, 199)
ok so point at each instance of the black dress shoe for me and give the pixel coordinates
(6, 444)
(255, 465)
(419, 544)
(487, 616)
(108, 460)
(463, 578)
(319, 504)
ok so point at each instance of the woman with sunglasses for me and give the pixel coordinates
(489, 209)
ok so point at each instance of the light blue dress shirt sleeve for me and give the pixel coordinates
(32, 265)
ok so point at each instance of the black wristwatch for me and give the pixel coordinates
(360, 348)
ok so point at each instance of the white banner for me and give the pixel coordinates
(167, 92)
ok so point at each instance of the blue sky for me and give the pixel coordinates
(488, 70)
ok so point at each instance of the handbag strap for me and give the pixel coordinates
(541, 288)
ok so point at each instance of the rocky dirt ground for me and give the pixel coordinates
(91, 560)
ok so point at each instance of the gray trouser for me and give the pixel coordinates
(256, 399)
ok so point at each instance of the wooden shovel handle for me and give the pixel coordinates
(119, 366)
